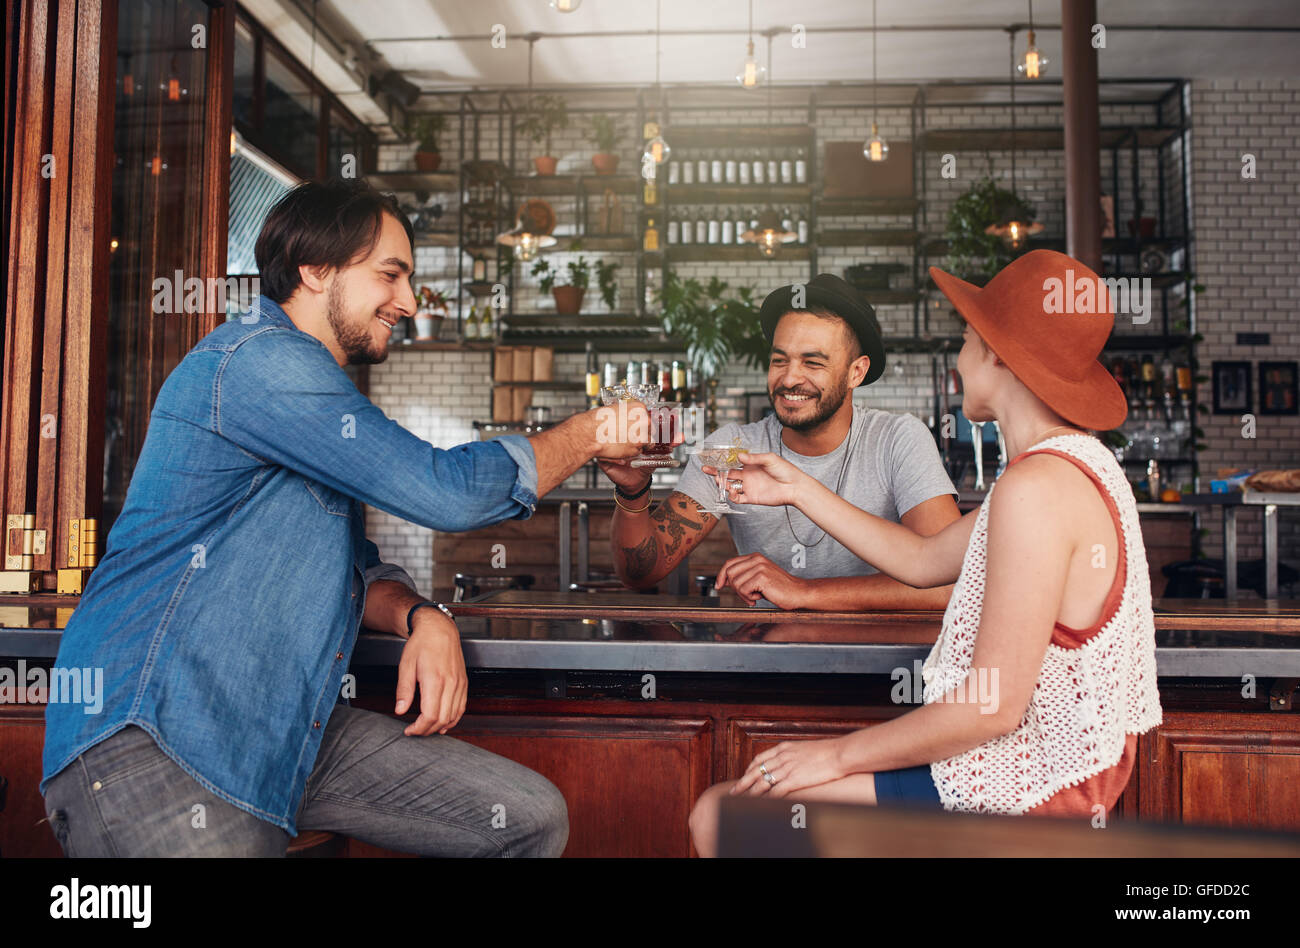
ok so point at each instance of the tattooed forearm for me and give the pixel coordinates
(640, 560)
(673, 519)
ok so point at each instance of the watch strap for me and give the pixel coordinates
(410, 616)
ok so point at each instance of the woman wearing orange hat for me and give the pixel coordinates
(1044, 671)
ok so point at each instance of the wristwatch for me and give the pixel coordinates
(410, 616)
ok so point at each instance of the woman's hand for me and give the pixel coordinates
(767, 479)
(794, 766)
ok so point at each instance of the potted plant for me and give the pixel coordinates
(425, 129)
(545, 114)
(605, 135)
(713, 325)
(974, 255)
(432, 311)
(568, 295)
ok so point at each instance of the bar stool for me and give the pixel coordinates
(469, 585)
(317, 844)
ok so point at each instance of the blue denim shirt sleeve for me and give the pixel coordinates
(377, 569)
(282, 398)
(521, 449)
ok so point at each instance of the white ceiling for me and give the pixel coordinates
(401, 34)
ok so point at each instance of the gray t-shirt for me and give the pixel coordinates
(893, 466)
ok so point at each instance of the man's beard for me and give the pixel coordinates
(827, 404)
(357, 343)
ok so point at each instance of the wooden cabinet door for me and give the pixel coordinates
(630, 784)
(23, 832)
(1236, 770)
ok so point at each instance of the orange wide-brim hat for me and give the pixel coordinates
(1026, 314)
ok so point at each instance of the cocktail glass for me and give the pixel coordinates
(665, 422)
(723, 457)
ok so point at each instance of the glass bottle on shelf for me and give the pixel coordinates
(471, 324)
(702, 171)
(715, 171)
(651, 239)
(756, 166)
(786, 223)
(674, 229)
(787, 169)
(611, 374)
(742, 172)
(801, 227)
(800, 167)
(701, 227)
(728, 232)
(713, 230)
(729, 172)
(674, 171)
(486, 325)
(688, 172)
(679, 380)
(741, 225)
(772, 171)
(649, 192)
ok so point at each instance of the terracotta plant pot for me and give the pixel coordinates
(605, 163)
(545, 164)
(568, 299)
(428, 160)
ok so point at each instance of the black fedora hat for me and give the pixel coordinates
(829, 292)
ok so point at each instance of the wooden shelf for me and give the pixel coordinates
(732, 136)
(437, 238)
(545, 386)
(709, 253)
(936, 246)
(1039, 139)
(829, 207)
(431, 181)
(599, 243)
(868, 237)
(559, 185)
(1142, 343)
(756, 194)
(441, 345)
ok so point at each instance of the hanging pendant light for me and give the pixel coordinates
(1014, 226)
(874, 148)
(1034, 65)
(750, 75)
(770, 233)
(536, 220)
(565, 6)
(657, 149)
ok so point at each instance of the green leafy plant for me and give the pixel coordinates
(973, 255)
(715, 327)
(425, 130)
(546, 114)
(605, 133)
(431, 299)
(605, 273)
(578, 275)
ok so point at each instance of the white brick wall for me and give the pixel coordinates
(1246, 238)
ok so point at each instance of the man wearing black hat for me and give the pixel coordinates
(825, 342)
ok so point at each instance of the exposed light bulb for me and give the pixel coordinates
(1034, 64)
(565, 6)
(751, 73)
(526, 246)
(875, 148)
(658, 150)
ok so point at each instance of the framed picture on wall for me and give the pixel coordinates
(1231, 382)
(1279, 393)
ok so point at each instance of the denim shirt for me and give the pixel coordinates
(224, 610)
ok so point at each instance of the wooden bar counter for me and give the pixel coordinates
(632, 705)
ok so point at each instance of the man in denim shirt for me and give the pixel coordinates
(228, 600)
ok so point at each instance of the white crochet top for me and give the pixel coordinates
(1087, 699)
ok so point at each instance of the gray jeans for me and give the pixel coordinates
(433, 796)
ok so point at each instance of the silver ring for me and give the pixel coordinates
(762, 769)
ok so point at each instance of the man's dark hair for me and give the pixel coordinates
(315, 224)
